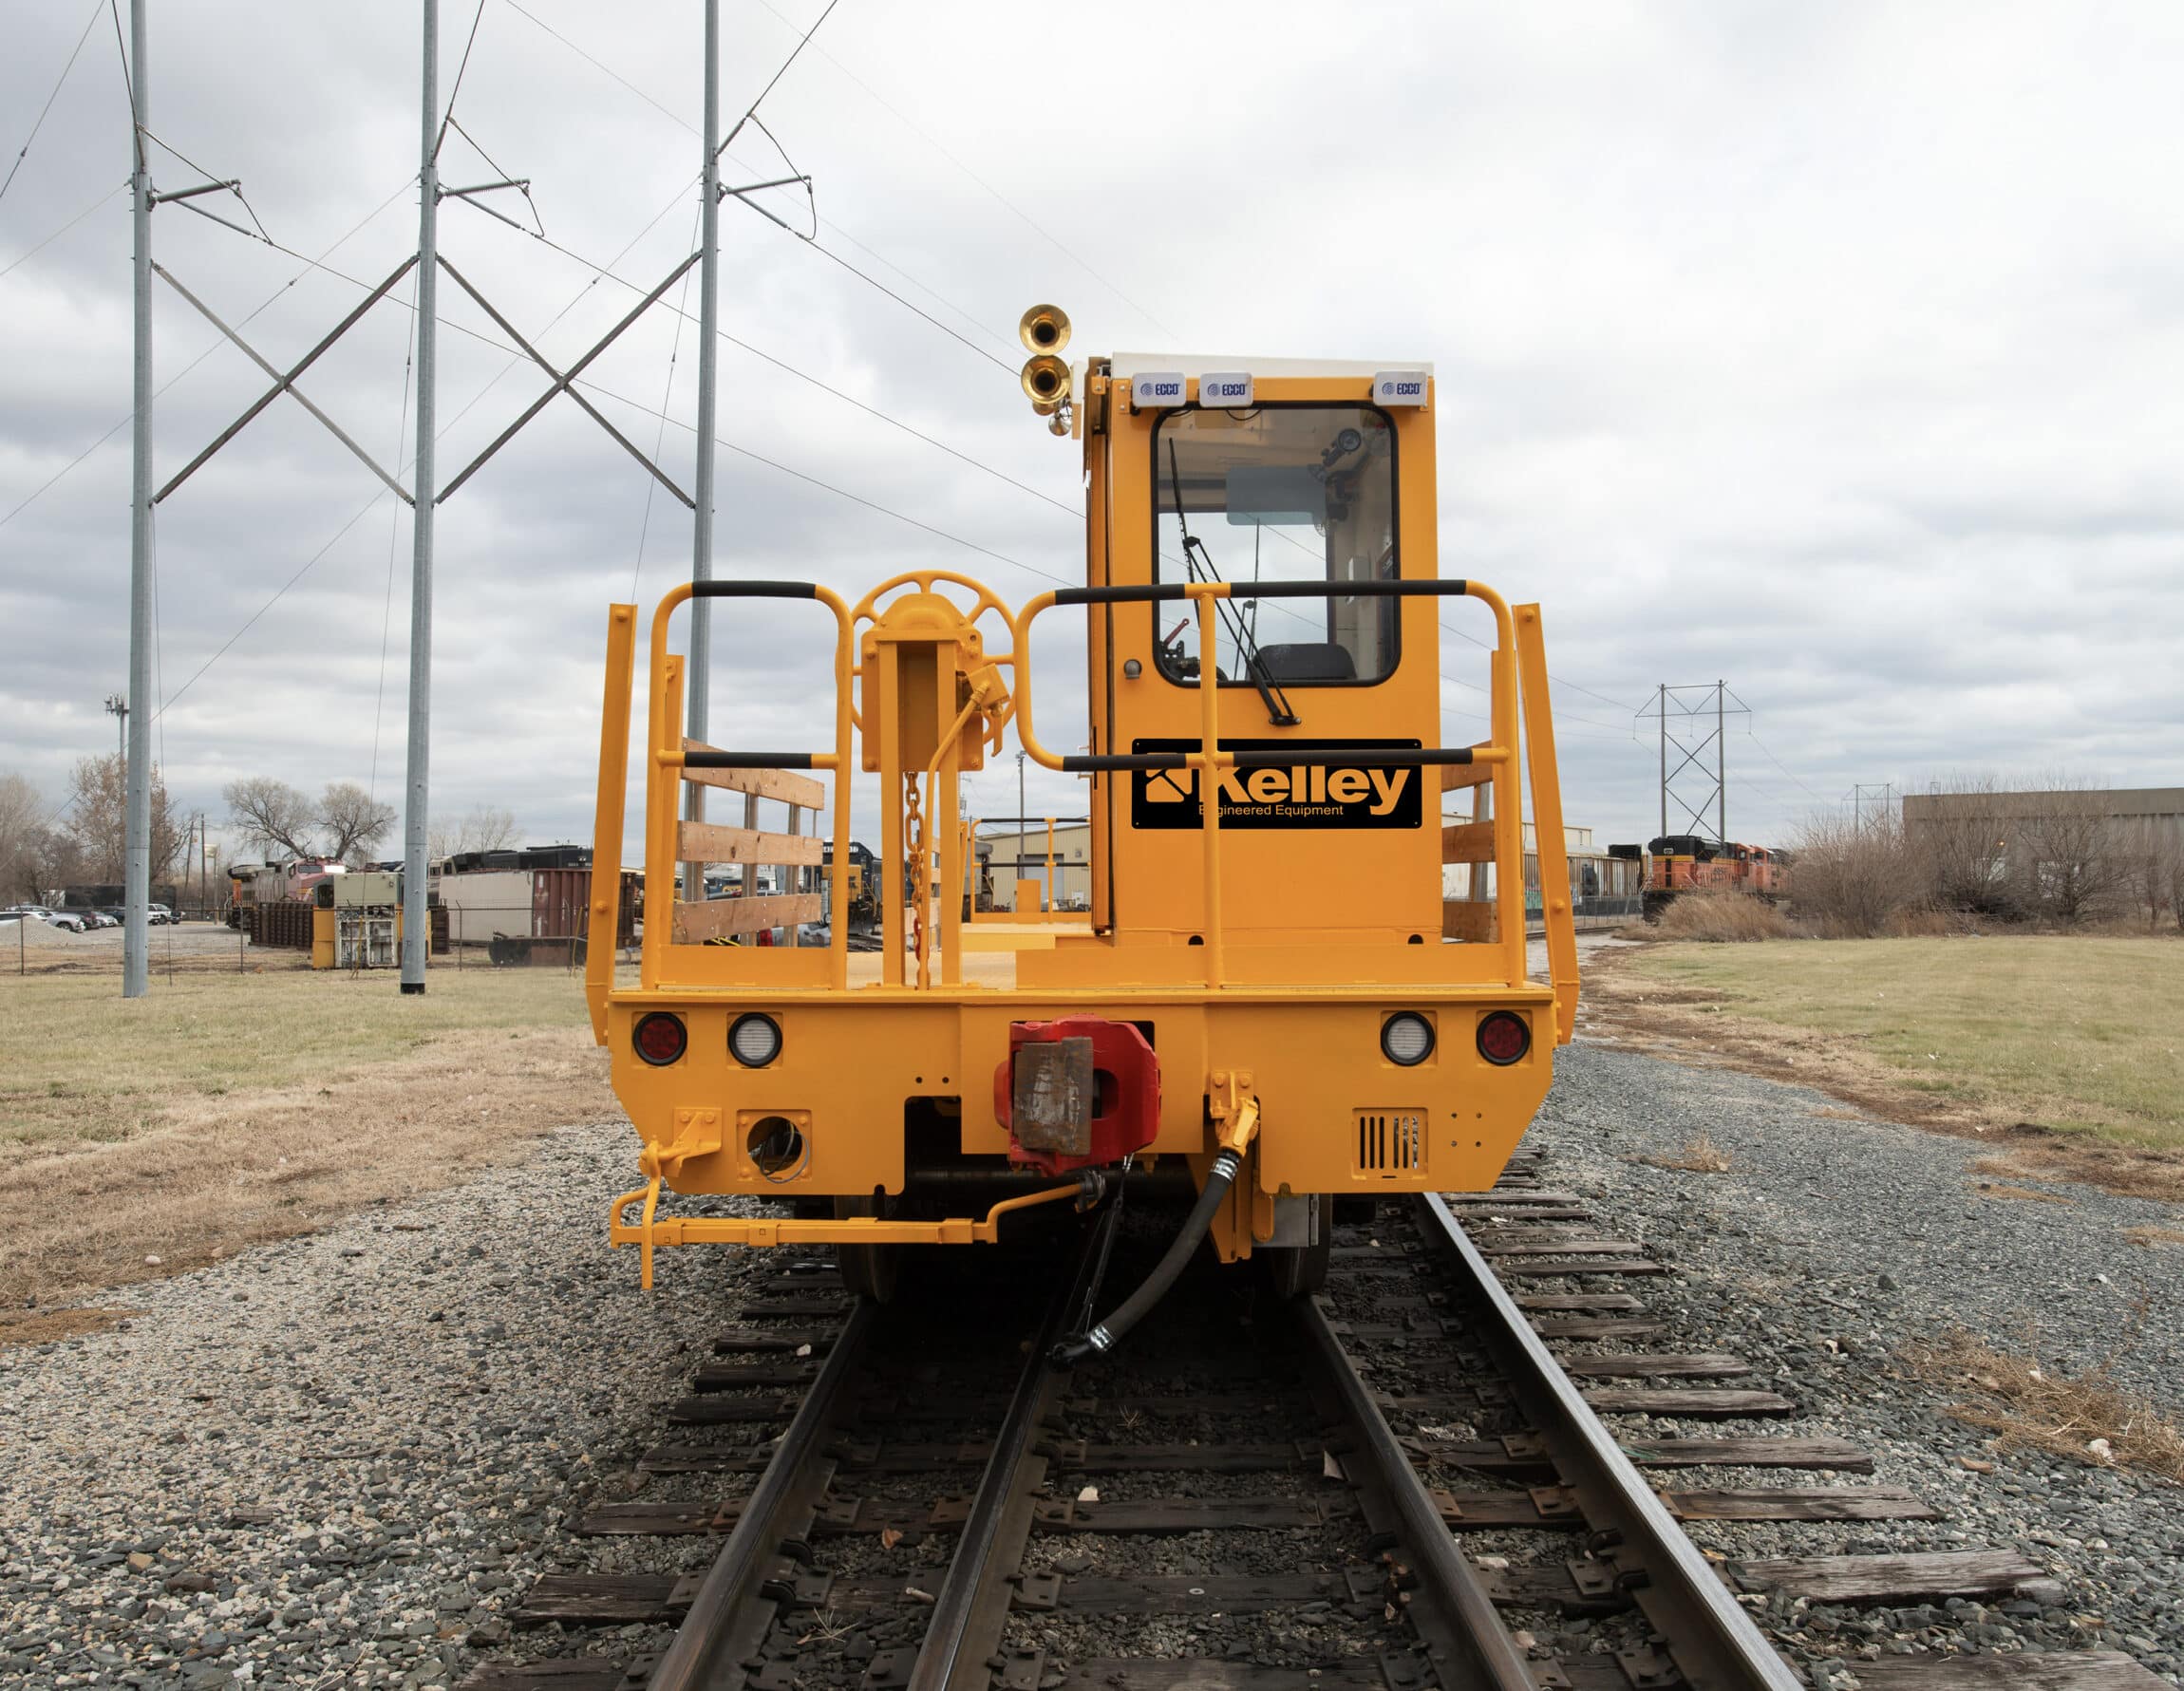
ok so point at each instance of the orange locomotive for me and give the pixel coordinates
(1679, 863)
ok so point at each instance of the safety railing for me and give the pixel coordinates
(668, 760)
(1210, 760)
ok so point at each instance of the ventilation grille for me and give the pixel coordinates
(1390, 1143)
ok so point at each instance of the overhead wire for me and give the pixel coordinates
(216, 344)
(667, 401)
(1029, 222)
(682, 122)
(89, 24)
(71, 223)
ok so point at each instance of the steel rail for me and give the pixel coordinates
(737, 1571)
(1476, 1627)
(976, 1589)
(1714, 1642)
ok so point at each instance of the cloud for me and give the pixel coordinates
(1833, 353)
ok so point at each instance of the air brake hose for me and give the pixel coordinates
(1104, 1336)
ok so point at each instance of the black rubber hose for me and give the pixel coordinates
(1104, 1336)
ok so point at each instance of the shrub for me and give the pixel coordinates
(1717, 915)
(1854, 880)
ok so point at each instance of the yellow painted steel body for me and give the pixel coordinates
(1262, 961)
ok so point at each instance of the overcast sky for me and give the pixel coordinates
(1835, 351)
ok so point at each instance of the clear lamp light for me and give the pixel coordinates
(1407, 1039)
(755, 1041)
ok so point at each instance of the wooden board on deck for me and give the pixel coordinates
(763, 784)
(709, 842)
(1467, 842)
(1467, 919)
(722, 918)
(1464, 774)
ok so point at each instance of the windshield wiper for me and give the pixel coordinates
(1199, 564)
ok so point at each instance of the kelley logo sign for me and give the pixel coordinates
(1286, 796)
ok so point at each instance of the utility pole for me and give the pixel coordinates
(1720, 764)
(1661, 702)
(700, 674)
(118, 708)
(416, 918)
(137, 849)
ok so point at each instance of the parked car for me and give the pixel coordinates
(71, 920)
(161, 915)
(114, 913)
(91, 919)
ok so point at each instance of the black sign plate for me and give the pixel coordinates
(1288, 796)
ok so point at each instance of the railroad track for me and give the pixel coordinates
(1397, 1485)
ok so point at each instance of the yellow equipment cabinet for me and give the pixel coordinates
(1264, 615)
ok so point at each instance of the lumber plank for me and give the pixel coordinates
(760, 783)
(1800, 1503)
(1467, 842)
(1192, 1673)
(1838, 1453)
(709, 842)
(1698, 1405)
(1641, 1364)
(2017, 1670)
(1467, 919)
(1455, 775)
(1576, 1244)
(1597, 1326)
(611, 1598)
(1920, 1577)
(572, 1673)
(722, 918)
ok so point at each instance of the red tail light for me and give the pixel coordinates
(1504, 1038)
(660, 1038)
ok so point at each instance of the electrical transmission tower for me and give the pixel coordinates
(1879, 798)
(1693, 724)
(425, 494)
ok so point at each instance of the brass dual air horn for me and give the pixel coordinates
(1044, 330)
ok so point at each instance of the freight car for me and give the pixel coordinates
(1259, 1000)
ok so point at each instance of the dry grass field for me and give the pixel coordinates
(226, 1109)
(2072, 1047)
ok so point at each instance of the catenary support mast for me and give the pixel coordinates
(700, 673)
(415, 916)
(137, 853)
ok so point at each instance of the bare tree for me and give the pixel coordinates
(1852, 881)
(95, 822)
(353, 820)
(2150, 865)
(2063, 851)
(22, 820)
(1963, 847)
(271, 816)
(483, 829)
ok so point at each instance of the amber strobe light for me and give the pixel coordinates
(755, 1039)
(660, 1038)
(1504, 1038)
(1407, 1039)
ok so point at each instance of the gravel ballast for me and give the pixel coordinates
(334, 1460)
(340, 1460)
(1829, 1247)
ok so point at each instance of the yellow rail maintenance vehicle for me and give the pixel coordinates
(1269, 1001)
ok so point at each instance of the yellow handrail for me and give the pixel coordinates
(1209, 760)
(665, 754)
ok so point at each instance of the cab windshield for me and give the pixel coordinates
(1279, 493)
